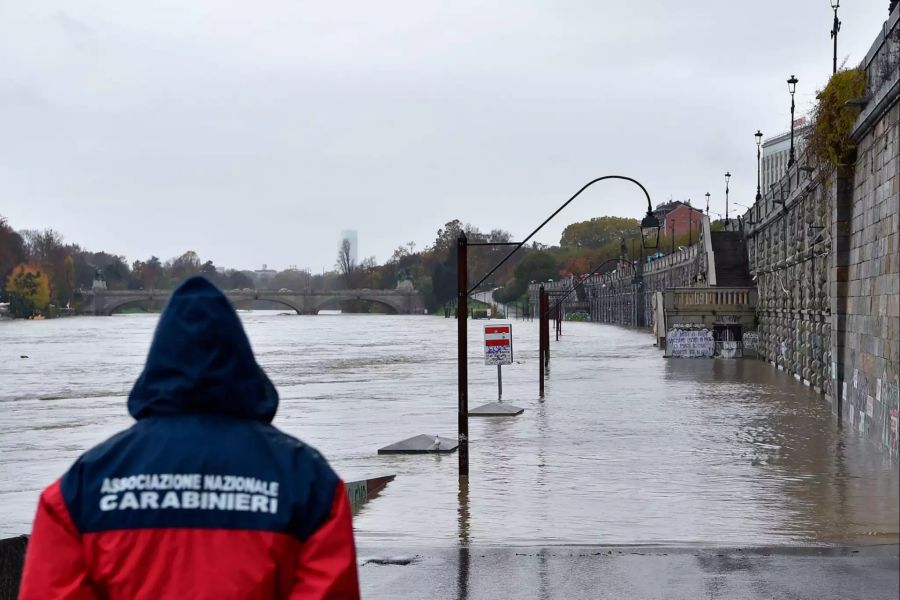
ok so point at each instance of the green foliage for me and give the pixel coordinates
(537, 266)
(829, 142)
(598, 232)
(65, 284)
(511, 292)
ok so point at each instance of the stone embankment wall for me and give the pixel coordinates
(823, 248)
(866, 281)
(613, 298)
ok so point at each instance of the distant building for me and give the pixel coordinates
(350, 235)
(679, 217)
(776, 152)
(263, 276)
(683, 219)
(665, 208)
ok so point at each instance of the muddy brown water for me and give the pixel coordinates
(626, 448)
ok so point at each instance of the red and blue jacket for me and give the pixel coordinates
(202, 497)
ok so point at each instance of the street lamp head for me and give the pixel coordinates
(758, 135)
(727, 177)
(835, 4)
(650, 230)
(707, 196)
(792, 84)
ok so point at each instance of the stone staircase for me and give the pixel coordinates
(732, 264)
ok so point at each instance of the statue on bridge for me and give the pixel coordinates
(99, 280)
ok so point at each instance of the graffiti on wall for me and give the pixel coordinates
(891, 407)
(751, 340)
(690, 343)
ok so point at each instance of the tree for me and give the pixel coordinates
(65, 285)
(537, 266)
(43, 246)
(598, 232)
(208, 269)
(29, 290)
(345, 264)
(12, 249)
(446, 236)
(291, 279)
(184, 266)
(235, 280)
(151, 273)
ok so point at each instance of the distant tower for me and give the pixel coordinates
(350, 235)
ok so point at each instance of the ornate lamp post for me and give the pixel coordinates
(792, 87)
(727, 178)
(758, 135)
(707, 204)
(835, 4)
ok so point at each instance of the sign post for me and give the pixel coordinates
(498, 350)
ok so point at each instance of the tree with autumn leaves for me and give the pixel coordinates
(28, 288)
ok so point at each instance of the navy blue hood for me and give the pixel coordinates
(200, 361)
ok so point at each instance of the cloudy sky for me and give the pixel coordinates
(253, 132)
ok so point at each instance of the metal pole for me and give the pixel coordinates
(462, 321)
(792, 87)
(541, 317)
(834, 33)
(759, 136)
(727, 178)
(556, 325)
(546, 328)
(499, 385)
(791, 157)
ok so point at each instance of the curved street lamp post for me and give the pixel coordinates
(649, 236)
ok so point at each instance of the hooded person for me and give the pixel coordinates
(202, 497)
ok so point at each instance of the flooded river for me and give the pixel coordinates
(626, 448)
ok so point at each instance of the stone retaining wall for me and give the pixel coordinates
(823, 249)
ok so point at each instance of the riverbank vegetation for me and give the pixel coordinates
(43, 274)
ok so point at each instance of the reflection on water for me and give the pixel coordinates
(462, 570)
(626, 448)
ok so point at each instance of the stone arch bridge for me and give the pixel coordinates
(404, 302)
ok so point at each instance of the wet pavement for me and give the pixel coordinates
(542, 573)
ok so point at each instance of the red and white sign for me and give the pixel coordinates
(498, 344)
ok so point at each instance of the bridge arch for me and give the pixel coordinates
(284, 301)
(117, 304)
(393, 304)
(107, 303)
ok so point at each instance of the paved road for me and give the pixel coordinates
(864, 573)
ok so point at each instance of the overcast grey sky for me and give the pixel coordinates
(253, 132)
